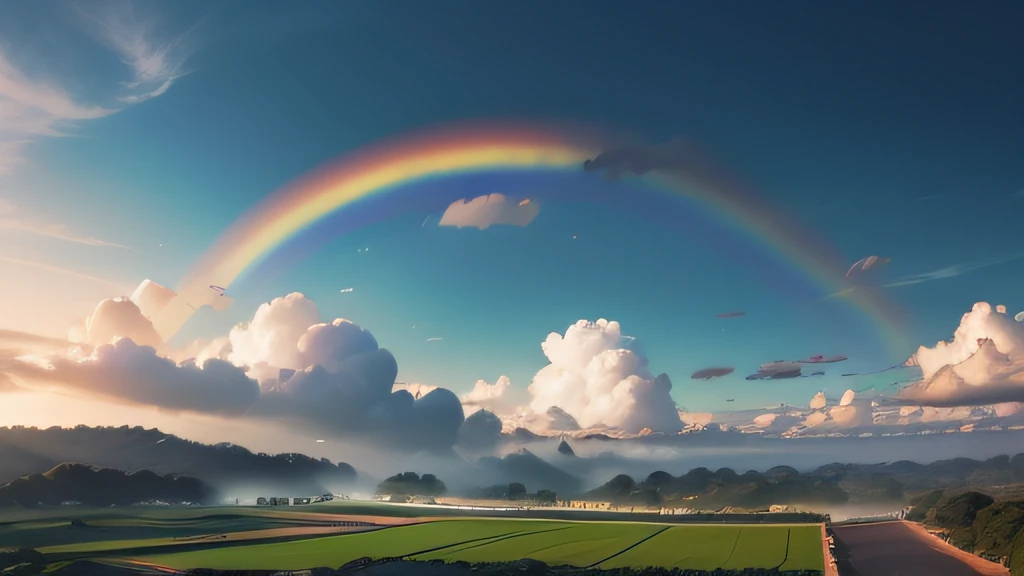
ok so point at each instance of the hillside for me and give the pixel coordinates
(527, 468)
(30, 450)
(702, 488)
(977, 523)
(914, 477)
(100, 487)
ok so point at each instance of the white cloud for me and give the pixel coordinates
(490, 397)
(272, 337)
(983, 364)
(156, 61)
(485, 211)
(136, 374)
(818, 402)
(600, 384)
(338, 381)
(120, 318)
(33, 107)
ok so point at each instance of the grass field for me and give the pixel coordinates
(584, 544)
(276, 539)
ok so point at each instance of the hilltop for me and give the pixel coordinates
(101, 487)
(31, 450)
(830, 484)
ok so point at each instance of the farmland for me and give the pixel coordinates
(236, 538)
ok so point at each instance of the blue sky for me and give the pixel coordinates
(885, 131)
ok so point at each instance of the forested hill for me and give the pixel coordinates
(31, 450)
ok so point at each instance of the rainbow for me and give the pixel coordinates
(485, 147)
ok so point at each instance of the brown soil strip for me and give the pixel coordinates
(905, 549)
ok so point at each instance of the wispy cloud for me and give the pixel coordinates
(33, 106)
(940, 274)
(63, 271)
(951, 271)
(434, 339)
(156, 62)
(12, 218)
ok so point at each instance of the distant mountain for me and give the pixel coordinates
(565, 449)
(832, 483)
(223, 466)
(701, 488)
(914, 477)
(527, 468)
(100, 487)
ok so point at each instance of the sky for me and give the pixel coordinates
(132, 135)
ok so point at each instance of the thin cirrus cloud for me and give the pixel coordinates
(16, 219)
(31, 107)
(952, 271)
(63, 271)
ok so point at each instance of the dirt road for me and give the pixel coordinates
(905, 549)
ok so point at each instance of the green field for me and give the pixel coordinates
(598, 544)
(162, 537)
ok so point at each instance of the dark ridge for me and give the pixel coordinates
(564, 448)
(31, 450)
(101, 487)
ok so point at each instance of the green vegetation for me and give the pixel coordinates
(411, 484)
(978, 524)
(585, 544)
(514, 492)
(702, 488)
(1017, 555)
(730, 547)
(922, 505)
(960, 511)
(99, 487)
(208, 538)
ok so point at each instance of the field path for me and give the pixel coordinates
(907, 549)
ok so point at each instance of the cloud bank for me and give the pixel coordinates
(983, 364)
(485, 211)
(285, 365)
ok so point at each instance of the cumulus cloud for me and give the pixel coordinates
(129, 372)
(285, 365)
(983, 364)
(600, 384)
(120, 318)
(485, 211)
(852, 412)
(491, 397)
(272, 336)
(31, 107)
(415, 389)
(818, 402)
